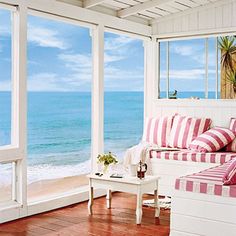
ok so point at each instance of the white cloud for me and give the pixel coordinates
(121, 41)
(80, 65)
(75, 61)
(57, 82)
(78, 76)
(5, 85)
(32, 62)
(5, 31)
(187, 74)
(113, 73)
(200, 58)
(45, 37)
(78, 72)
(43, 82)
(195, 53)
(108, 58)
(117, 48)
(183, 50)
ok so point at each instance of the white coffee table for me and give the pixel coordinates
(126, 184)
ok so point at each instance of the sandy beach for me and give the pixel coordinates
(46, 188)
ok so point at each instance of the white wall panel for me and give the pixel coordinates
(220, 111)
(216, 17)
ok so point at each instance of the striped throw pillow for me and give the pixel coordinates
(157, 130)
(229, 177)
(185, 129)
(232, 146)
(212, 140)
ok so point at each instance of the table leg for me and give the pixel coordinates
(156, 201)
(139, 211)
(108, 198)
(90, 202)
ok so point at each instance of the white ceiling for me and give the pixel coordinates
(143, 11)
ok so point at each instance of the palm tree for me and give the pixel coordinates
(228, 49)
(231, 77)
(227, 45)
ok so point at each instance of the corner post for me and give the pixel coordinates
(150, 75)
(97, 93)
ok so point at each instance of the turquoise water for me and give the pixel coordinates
(59, 129)
(5, 118)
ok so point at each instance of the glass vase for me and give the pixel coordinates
(105, 169)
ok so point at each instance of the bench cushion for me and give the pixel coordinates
(188, 155)
(229, 177)
(208, 181)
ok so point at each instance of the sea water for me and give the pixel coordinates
(59, 130)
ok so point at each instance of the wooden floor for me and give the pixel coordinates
(74, 220)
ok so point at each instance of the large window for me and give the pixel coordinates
(5, 76)
(123, 106)
(59, 106)
(6, 169)
(189, 68)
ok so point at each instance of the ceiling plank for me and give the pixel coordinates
(92, 3)
(141, 7)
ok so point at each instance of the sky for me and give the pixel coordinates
(59, 59)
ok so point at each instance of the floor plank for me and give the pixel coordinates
(75, 221)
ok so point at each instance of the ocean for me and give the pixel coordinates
(59, 130)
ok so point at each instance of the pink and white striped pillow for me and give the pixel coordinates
(212, 140)
(157, 130)
(232, 146)
(185, 129)
(229, 177)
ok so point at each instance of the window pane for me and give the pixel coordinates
(5, 182)
(163, 71)
(123, 93)
(5, 77)
(187, 68)
(59, 106)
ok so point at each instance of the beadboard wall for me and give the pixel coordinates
(214, 18)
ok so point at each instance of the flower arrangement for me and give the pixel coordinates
(106, 160)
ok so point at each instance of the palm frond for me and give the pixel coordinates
(231, 77)
(228, 49)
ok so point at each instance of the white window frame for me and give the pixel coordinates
(15, 153)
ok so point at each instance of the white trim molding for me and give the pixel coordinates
(89, 16)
